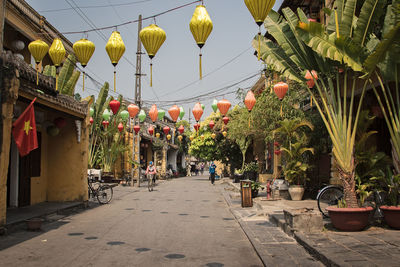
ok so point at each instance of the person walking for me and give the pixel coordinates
(211, 170)
(151, 174)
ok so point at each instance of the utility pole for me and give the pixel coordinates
(138, 97)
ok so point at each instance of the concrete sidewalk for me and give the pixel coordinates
(375, 246)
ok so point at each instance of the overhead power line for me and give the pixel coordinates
(99, 6)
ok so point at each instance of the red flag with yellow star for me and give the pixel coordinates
(24, 131)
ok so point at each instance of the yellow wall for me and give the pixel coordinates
(39, 184)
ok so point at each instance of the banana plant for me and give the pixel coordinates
(345, 54)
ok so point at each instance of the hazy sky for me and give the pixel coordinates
(176, 63)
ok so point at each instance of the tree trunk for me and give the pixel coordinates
(349, 188)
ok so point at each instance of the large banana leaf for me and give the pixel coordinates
(346, 21)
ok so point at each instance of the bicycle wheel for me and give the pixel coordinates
(104, 194)
(329, 196)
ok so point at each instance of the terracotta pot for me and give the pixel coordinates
(392, 216)
(349, 219)
(296, 192)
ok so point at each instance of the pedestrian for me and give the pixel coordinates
(202, 168)
(212, 172)
(151, 175)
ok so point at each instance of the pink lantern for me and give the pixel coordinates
(181, 129)
(166, 130)
(91, 120)
(211, 124)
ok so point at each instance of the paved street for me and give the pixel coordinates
(184, 222)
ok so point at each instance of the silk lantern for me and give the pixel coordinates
(136, 128)
(161, 114)
(213, 135)
(181, 129)
(142, 115)
(106, 115)
(181, 113)
(280, 90)
(259, 9)
(83, 50)
(91, 111)
(115, 48)
(133, 110)
(105, 124)
(197, 111)
(180, 138)
(214, 105)
(169, 137)
(151, 130)
(153, 113)
(152, 38)
(196, 126)
(202, 106)
(174, 113)
(114, 106)
(166, 129)
(224, 133)
(158, 135)
(223, 106)
(250, 100)
(311, 77)
(120, 127)
(124, 115)
(201, 27)
(57, 54)
(38, 50)
(91, 120)
(202, 137)
(225, 120)
(191, 138)
(211, 124)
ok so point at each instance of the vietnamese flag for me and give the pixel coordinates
(24, 131)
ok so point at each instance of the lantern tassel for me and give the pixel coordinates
(115, 80)
(259, 45)
(200, 69)
(311, 100)
(83, 81)
(281, 110)
(37, 74)
(151, 74)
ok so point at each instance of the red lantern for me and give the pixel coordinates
(151, 130)
(196, 126)
(309, 76)
(120, 127)
(60, 122)
(133, 110)
(166, 130)
(281, 89)
(181, 129)
(211, 125)
(174, 112)
(250, 100)
(114, 106)
(153, 113)
(197, 111)
(91, 120)
(225, 120)
(276, 144)
(277, 152)
(223, 106)
(136, 128)
(105, 124)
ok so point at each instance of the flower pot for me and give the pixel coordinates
(391, 214)
(349, 219)
(296, 192)
(34, 224)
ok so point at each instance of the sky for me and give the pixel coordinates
(227, 55)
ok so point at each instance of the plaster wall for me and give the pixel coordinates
(39, 184)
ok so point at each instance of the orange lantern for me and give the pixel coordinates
(280, 90)
(250, 100)
(310, 81)
(174, 112)
(153, 113)
(223, 106)
(133, 110)
(197, 111)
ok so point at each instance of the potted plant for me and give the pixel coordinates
(250, 171)
(255, 186)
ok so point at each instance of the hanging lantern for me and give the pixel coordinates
(174, 112)
(211, 124)
(214, 105)
(115, 49)
(158, 135)
(105, 124)
(91, 120)
(120, 127)
(213, 135)
(136, 128)
(310, 81)
(259, 9)
(201, 27)
(224, 133)
(91, 111)
(181, 129)
(223, 106)
(202, 137)
(180, 137)
(133, 110)
(83, 50)
(114, 105)
(250, 100)
(161, 114)
(38, 50)
(277, 152)
(202, 106)
(60, 122)
(181, 113)
(225, 120)
(152, 38)
(169, 137)
(142, 115)
(196, 126)
(106, 115)
(197, 111)
(57, 54)
(280, 90)
(166, 129)
(191, 138)
(151, 130)
(124, 115)
(153, 113)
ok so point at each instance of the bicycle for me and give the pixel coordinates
(150, 181)
(103, 193)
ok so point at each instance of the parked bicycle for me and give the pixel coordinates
(103, 193)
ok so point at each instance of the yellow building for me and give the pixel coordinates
(56, 170)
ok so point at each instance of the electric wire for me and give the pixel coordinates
(99, 6)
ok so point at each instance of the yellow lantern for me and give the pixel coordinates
(57, 54)
(158, 135)
(191, 138)
(201, 27)
(152, 38)
(202, 137)
(115, 48)
(83, 50)
(169, 137)
(180, 138)
(38, 49)
(213, 135)
(224, 133)
(259, 9)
